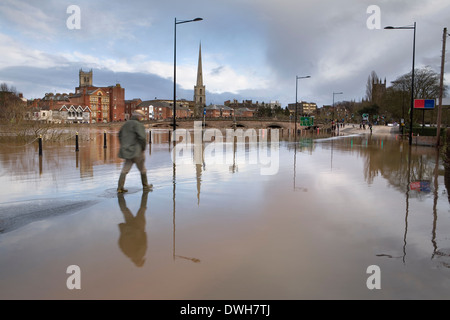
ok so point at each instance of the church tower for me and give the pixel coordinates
(199, 88)
(85, 78)
(378, 91)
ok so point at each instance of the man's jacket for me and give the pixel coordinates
(132, 139)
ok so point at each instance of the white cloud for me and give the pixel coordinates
(31, 19)
(218, 79)
(15, 53)
(259, 55)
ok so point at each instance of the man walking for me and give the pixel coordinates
(132, 146)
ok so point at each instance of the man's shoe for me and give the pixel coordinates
(120, 188)
(145, 185)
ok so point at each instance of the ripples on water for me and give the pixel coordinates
(210, 230)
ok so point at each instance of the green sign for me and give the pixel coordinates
(306, 121)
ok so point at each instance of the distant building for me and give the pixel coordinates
(309, 108)
(130, 106)
(218, 111)
(163, 109)
(303, 108)
(113, 111)
(235, 104)
(52, 101)
(378, 91)
(66, 114)
(148, 108)
(40, 114)
(72, 114)
(273, 104)
(107, 104)
(245, 112)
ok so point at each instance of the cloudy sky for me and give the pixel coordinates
(251, 49)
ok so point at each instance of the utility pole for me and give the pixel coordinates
(441, 90)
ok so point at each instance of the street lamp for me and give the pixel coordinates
(296, 90)
(412, 76)
(175, 65)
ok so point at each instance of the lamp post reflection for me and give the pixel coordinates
(407, 205)
(440, 253)
(174, 183)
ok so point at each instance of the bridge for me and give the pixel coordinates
(244, 123)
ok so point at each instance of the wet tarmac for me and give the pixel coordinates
(215, 227)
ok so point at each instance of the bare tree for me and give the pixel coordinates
(426, 83)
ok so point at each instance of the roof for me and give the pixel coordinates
(245, 109)
(217, 107)
(75, 108)
(154, 103)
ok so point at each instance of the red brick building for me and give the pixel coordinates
(107, 104)
(163, 109)
(111, 99)
(218, 111)
(130, 106)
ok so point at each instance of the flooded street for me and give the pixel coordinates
(214, 229)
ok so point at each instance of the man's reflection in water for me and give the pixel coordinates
(133, 238)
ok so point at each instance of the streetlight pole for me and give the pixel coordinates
(412, 77)
(296, 102)
(441, 89)
(175, 65)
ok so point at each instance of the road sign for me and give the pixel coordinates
(306, 121)
(424, 104)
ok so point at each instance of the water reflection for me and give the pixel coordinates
(133, 237)
(198, 158)
(415, 171)
(336, 205)
(440, 253)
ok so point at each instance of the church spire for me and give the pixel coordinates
(199, 70)
(199, 88)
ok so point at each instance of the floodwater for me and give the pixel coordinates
(221, 227)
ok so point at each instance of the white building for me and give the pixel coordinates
(74, 114)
